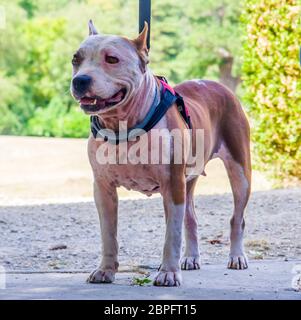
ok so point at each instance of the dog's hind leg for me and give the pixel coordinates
(191, 258)
(234, 151)
(240, 179)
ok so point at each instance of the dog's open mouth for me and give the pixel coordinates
(94, 104)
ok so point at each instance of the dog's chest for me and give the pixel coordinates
(140, 178)
(145, 177)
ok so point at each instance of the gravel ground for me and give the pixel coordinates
(28, 233)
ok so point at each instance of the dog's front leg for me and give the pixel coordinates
(174, 205)
(106, 200)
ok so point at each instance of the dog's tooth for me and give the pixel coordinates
(94, 102)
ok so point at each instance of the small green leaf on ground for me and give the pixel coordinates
(141, 281)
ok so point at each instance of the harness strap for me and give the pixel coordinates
(167, 100)
(182, 108)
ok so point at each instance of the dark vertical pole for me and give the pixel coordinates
(145, 15)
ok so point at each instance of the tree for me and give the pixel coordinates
(197, 39)
(215, 39)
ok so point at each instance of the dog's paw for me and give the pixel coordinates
(238, 262)
(190, 263)
(168, 279)
(296, 282)
(101, 276)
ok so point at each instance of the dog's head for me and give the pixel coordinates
(107, 70)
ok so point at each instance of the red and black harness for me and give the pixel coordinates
(168, 97)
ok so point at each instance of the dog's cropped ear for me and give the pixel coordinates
(92, 29)
(141, 40)
(141, 44)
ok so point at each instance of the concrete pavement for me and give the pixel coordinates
(263, 280)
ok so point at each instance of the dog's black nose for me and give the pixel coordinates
(81, 84)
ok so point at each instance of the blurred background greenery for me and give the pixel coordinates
(251, 46)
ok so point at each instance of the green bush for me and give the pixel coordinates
(271, 74)
(57, 121)
(9, 122)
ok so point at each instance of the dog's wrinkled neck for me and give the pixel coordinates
(136, 108)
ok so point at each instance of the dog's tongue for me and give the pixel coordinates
(117, 98)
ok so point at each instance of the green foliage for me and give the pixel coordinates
(29, 6)
(9, 92)
(188, 37)
(141, 281)
(41, 36)
(272, 84)
(215, 28)
(57, 121)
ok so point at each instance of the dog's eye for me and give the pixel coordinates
(76, 61)
(112, 60)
